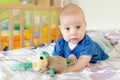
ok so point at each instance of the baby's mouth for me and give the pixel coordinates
(73, 39)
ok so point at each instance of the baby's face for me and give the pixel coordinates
(73, 28)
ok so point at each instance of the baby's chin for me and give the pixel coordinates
(73, 42)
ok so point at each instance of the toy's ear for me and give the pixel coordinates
(46, 54)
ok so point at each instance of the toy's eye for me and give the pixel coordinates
(41, 57)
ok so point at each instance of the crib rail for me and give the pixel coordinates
(31, 8)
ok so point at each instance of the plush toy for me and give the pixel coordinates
(46, 63)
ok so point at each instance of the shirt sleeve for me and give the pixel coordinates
(89, 49)
(95, 50)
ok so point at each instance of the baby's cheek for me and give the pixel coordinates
(66, 39)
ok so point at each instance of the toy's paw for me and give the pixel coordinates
(15, 67)
(51, 72)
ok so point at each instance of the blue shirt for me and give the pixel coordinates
(85, 47)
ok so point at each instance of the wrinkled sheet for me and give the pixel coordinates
(102, 70)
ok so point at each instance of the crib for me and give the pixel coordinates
(44, 34)
(19, 33)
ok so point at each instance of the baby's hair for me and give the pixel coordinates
(71, 9)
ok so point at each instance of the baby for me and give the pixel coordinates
(75, 40)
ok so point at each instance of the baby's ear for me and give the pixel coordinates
(85, 23)
(59, 26)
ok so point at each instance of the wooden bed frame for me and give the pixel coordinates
(31, 8)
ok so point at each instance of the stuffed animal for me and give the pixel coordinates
(46, 63)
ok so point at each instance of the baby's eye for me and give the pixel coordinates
(78, 27)
(67, 28)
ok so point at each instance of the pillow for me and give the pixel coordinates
(104, 43)
(113, 37)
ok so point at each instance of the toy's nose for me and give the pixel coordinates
(34, 65)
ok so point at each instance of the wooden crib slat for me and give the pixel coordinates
(21, 28)
(32, 27)
(49, 26)
(33, 1)
(0, 37)
(57, 23)
(10, 27)
(41, 27)
(0, 40)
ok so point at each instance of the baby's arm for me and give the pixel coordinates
(82, 62)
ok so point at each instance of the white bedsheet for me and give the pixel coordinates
(102, 70)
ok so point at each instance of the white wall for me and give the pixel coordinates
(101, 14)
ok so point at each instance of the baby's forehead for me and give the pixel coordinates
(73, 15)
(72, 11)
(72, 19)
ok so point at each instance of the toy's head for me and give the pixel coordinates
(41, 60)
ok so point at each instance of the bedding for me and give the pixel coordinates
(102, 70)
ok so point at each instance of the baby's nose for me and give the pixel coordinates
(73, 31)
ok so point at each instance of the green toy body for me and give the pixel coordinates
(25, 65)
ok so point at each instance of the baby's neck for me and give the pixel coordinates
(71, 46)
